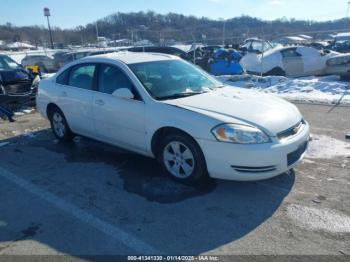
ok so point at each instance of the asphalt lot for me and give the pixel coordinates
(88, 198)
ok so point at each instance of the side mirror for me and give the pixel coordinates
(124, 93)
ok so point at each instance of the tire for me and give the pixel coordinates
(182, 159)
(344, 77)
(59, 125)
(277, 71)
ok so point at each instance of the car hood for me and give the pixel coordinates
(237, 105)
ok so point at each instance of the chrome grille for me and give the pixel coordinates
(292, 131)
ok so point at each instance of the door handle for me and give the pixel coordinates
(99, 102)
(64, 94)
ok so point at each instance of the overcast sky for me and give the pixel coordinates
(71, 13)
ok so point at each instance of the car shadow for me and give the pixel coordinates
(192, 220)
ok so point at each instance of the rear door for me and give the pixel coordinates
(292, 62)
(117, 120)
(75, 97)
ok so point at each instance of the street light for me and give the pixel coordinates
(47, 14)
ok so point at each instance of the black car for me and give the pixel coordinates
(341, 47)
(94, 53)
(17, 85)
(161, 49)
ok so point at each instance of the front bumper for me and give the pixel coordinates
(342, 70)
(254, 162)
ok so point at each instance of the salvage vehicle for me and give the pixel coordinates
(294, 61)
(45, 63)
(17, 85)
(166, 108)
(255, 45)
(339, 65)
(58, 57)
(341, 47)
(72, 56)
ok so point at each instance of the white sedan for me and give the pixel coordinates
(163, 107)
(292, 61)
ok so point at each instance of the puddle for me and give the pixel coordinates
(319, 219)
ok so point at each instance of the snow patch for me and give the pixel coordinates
(319, 219)
(326, 147)
(326, 89)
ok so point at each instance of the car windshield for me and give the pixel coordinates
(173, 79)
(8, 63)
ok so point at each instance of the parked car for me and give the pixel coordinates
(46, 64)
(341, 47)
(256, 45)
(72, 56)
(288, 61)
(17, 85)
(59, 58)
(161, 49)
(339, 65)
(320, 45)
(101, 52)
(166, 108)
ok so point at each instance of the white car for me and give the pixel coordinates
(295, 61)
(163, 107)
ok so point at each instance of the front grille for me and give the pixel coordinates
(19, 88)
(292, 131)
(293, 157)
(248, 169)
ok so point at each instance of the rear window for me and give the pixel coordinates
(82, 76)
(62, 78)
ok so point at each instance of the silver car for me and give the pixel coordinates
(339, 65)
(45, 63)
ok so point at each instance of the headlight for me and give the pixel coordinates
(240, 134)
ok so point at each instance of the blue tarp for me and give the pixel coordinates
(226, 62)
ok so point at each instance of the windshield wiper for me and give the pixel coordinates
(181, 95)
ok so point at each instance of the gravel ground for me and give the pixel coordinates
(87, 198)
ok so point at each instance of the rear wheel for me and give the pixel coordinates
(59, 125)
(182, 159)
(277, 71)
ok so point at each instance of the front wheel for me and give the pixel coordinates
(182, 158)
(59, 125)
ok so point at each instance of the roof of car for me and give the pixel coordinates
(133, 58)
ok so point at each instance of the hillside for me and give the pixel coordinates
(156, 27)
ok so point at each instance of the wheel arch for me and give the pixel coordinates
(161, 132)
(50, 107)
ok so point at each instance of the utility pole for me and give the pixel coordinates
(47, 14)
(224, 33)
(98, 42)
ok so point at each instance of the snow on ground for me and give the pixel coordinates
(325, 147)
(326, 89)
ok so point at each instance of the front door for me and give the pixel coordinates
(292, 62)
(117, 120)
